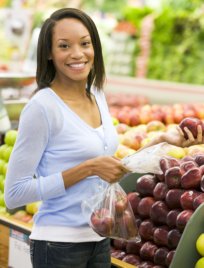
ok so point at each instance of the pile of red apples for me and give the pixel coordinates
(162, 206)
(167, 114)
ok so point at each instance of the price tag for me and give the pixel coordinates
(19, 250)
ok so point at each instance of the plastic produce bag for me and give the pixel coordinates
(110, 214)
(147, 160)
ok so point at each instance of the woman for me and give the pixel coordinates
(65, 145)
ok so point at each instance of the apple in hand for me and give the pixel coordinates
(102, 222)
(192, 124)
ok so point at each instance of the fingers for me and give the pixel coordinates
(200, 134)
(189, 134)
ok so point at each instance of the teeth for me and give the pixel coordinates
(79, 65)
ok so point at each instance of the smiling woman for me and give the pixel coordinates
(66, 142)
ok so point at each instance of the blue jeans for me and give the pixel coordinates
(46, 254)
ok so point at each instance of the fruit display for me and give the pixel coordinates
(5, 152)
(163, 205)
(23, 215)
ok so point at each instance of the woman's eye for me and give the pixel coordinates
(63, 46)
(86, 43)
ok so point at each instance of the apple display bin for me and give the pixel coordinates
(186, 254)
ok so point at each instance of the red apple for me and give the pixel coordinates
(133, 247)
(127, 227)
(199, 159)
(173, 198)
(134, 199)
(132, 259)
(173, 238)
(148, 250)
(169, 257)
(158, 212)
(192, 124)
(118, 254)
(173, 177)
(198, 201)
(145, 184)
(202, 170)
(171, 217)
(119, 244)
(120, 202)
(121, 128)
(160, 256)
(183, 218)
(191, 179)
(168, 162)
(102, 222)
(146, 229)
(187, 165)
(145, 264)
(161, 235)
(144, 206)
(187, 199)
(160, 191)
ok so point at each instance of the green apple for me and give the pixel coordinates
(5, 168)
(2, 163)
(115, 121)
(10, 137)
(2, 182)
(2, 150)
(2, 201)
(7, 153)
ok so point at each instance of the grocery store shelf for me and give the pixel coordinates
(18, 225)
(121, 264)
(156, 91)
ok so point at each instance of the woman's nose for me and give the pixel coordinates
(76, 52)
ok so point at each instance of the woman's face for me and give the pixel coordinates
(72, 50)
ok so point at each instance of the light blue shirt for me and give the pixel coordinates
(53, 138)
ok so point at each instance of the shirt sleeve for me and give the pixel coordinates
(21, 186)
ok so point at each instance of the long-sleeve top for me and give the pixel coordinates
(53, 138)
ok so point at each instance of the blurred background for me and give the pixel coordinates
(156, 39)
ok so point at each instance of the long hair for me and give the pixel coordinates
(45, 68)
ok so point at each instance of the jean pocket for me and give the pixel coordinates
(62, 245)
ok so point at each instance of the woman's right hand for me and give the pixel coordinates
(108, 168)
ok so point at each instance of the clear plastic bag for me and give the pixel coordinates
(110, 214)
(147, 160)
